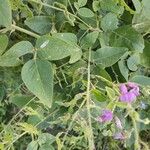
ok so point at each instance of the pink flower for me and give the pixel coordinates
(106, 116)
(129, 91)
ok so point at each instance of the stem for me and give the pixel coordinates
(14, 117)
(144, 144)
(136, 135)
(21, 135)
(59, 9)
(25, 31)
(71, 123)
(90, 138)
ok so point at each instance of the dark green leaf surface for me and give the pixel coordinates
(129, 37)
(55, 48)
(11, 57)
(39, 24)
(5, 13)
(38, 77)
(108, 56)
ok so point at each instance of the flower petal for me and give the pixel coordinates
(128, 97)
(107, 115)
(123, 89)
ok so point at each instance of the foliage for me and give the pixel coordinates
(62, 65)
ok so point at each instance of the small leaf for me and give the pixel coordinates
(107, 56)
(88, 40)
(98, 95)
(123, 69)
(85, 12)
(109, 22)
(3, 43)
(39, 24)
(129, 37)
(133, 61)
(143, 80)
(22, 100)
(137, 5)
(5, 13)
(58, 47)
(46, 146)
(11, 57)
(146, 8)
(2, 92)
(38, 77)
(33, 145)
(145, 56)
(96, 5)
(82, 3)
(110, 93)
(111, 6)
(46, 138)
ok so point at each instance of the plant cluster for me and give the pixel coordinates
(74, 74)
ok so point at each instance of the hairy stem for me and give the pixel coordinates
(136, 135)
(62, 10)
(91, 137)
(24, 31)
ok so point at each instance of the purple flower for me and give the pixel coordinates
(119, 136)
(106, 116)
(129, 91)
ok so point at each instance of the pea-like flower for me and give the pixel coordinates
(106, 116)
(129, 92)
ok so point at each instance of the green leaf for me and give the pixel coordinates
(38, 77)
(58, 47)
(107, 56)
(11, 57)
(133, 61)
(39, 24)
(145, 56)
(129, 37)
(46, 138)
(96, 5)
(82, 3)
(23, 8)
(5, 13)
(141, 23)
(143, 80)
(22, 100)
(85, 12)
(137, 5)
(32, 145)
(123, 69)
(3, 43)
(46, 146)
(109, 22)
(110, 93)
(101, 72)
(89, 40)
(141, 20)
(2, 92)
(66, 37)
(146, 8)
(111, 6)
(98, 95)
